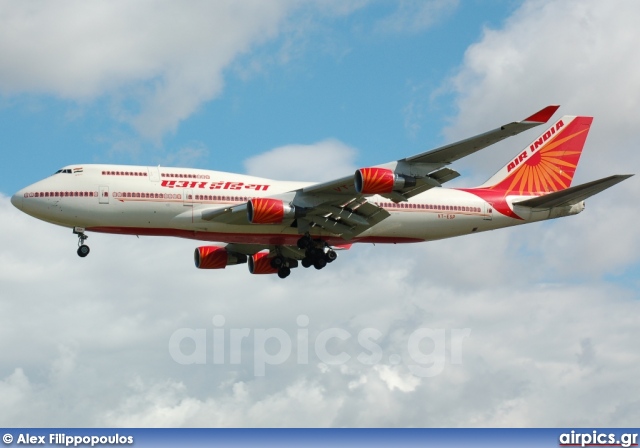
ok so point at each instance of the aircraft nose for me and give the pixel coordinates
(17, 199)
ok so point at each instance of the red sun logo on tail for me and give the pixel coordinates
(547, 165)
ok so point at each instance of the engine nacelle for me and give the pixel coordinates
(380, 181)
(260, 264)
(215, 257)
(268, 211)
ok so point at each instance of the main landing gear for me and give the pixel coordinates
(284, 272)
(83, 249)
(317, 252)
(283, 265)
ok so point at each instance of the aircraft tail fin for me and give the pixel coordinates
(547, 164)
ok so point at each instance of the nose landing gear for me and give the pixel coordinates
(83, 249)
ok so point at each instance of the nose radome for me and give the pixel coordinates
(17, 199)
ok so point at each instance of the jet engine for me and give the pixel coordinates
(260, 264)
(381, 181)
(268, 211)
(215, 257)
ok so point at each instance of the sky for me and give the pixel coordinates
(529, 326)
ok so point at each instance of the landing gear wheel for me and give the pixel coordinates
(284, 272)
(314, 253)
(305, 242)
(330, 256)
(319, 263)
(83, 250)
(306, 262)
(277, 262)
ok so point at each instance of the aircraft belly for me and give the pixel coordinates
(429, 226)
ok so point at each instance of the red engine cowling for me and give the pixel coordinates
(260, 264)
(268, 211)
(214, 257)
(380, 181)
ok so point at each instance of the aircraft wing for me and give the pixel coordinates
(333, 214)
(235, 214)
(340, 206)
(429, 168)
(347, 219)
(454, 151)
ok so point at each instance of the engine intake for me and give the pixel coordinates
(260, 264)
(215, 257)
(381, 181)
(268, 211)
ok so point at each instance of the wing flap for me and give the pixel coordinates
(349, 219)
(444, 175)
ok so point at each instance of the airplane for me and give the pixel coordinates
(275, 225)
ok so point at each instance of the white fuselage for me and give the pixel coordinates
(161, 201)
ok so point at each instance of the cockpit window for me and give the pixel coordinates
(67, 171)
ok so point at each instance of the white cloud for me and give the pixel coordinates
(15, 388)
(395, 380)
(191, 155)
(579, 54)
(319, 161)
(416, 16)
(156, 62)
(167, 57)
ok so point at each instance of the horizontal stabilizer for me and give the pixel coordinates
(573, 195)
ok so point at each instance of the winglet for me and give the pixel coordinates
(542, 116)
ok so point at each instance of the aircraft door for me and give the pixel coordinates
(187, 197)
(154, 173)
(103, 195)
(488, 211)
